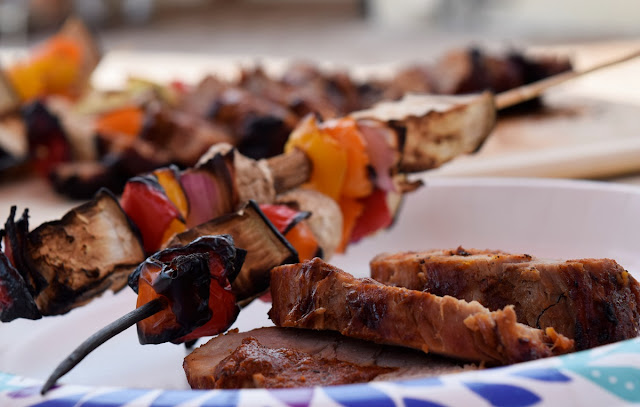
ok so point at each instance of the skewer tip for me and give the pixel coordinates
(100, 337)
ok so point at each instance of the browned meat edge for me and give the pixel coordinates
(593, 301)
(317, 295)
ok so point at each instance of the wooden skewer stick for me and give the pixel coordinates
(100, 337)
(527, 92)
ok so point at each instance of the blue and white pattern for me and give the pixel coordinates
(605, 376)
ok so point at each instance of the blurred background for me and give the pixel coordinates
(342, 31)
(184, 40)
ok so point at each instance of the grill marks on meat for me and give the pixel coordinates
(316, 295)
(593, 301)
(216, 363)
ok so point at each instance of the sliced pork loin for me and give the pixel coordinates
(593, 301)
(288, 357)
(316, 295)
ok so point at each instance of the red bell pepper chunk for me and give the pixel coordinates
(144, 201)
(375, 216)
(287, 221)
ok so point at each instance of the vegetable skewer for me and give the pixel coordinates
(100, 337)
(148, 326)
(103, 139)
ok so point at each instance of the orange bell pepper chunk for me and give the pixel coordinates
(328, 158)
(176, 226)
(173, 189)
(26, 81)
(351, 210)
(356, 182)
(303, 240)
(53, 68)
(126, 121)
(300, 235)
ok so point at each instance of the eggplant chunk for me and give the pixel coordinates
(436, 129)
(15, 299)
(94, 247)
(252, 231)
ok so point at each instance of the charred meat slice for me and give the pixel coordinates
(15, 299)
(473, 70)
(226, 360)
(317, 295)
(261, 127)
(92, 248)
(593, 301)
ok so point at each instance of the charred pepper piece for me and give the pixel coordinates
(195, 283)
(15, 299)
(147, 205)
(15, 248)
(298, 233)
(251, 230)
(183, 293)
(168, 201)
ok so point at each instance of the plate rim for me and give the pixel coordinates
(16, 389)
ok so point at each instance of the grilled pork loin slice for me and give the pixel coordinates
(593, 301)
(317, 295)
(287, 357)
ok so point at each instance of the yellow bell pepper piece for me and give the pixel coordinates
(176, 226)
(172, 188)
(53, 68)
(328, 158)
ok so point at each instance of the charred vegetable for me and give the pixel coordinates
(15, 299)
(194, 282)
(15, 247)
(290, 223)
(168, 201)
(251, 230)
(68, 262)
(195, 289)
(94, 247)
(183, 293)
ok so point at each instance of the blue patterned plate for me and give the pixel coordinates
(550, 218)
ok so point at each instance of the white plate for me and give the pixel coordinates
(547, 218)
